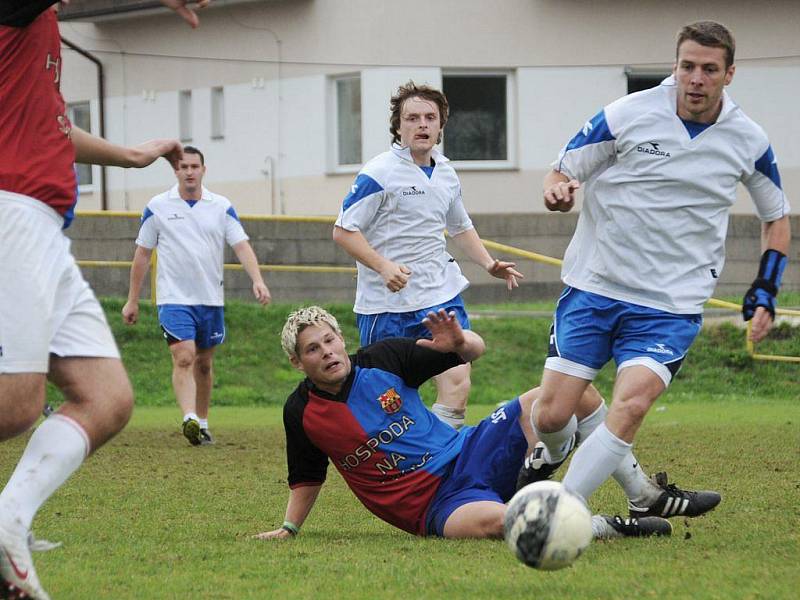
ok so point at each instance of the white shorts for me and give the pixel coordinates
(45, 304)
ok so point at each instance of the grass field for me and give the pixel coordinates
(151, 517)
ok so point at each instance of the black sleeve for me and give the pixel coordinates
(403, 357)
(307, 463)
(21, 13)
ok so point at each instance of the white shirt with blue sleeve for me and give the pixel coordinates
(191, 245)
(656, 200)
(403, 214)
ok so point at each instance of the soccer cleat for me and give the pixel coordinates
(675, 502)
(535, 468)
(18, 579)
(191, 431)
(605, 527)
(206, 439)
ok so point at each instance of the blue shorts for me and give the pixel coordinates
(374, 328)
(589, 329)
(486, 468)
(203, 324)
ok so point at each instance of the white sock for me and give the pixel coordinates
(588, 424)
(190, 415)
(596, 459)
(629, 475)
(203, 423)
(557, 443)
(56, 449)
(637, 485)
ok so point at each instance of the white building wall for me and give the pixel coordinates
(275, 61)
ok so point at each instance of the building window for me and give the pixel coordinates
(479, 127)
(347, 101)
(639, 80)
(80, 115)
(217, 112)
(185, 115)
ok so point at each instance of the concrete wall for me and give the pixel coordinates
(275, 60)
(283, 243)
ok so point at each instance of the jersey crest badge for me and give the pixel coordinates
(390, 401)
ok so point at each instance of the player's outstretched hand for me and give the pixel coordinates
(130, 313)
(261, 292)
(762, 323)
(446, 332)
(561, 196)
(181, 7)
(276, 534)
(505, 270)
(395, 276)
(148, 152)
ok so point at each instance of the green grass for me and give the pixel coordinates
(151, 517)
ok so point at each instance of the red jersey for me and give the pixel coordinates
(36, 154)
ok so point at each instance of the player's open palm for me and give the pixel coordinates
(446, 332)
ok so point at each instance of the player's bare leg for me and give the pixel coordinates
(21, 402)
(483, 519)
(99, 401)
(185, 387)
(204, 382)
(453, 388)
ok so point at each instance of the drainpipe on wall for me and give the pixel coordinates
(101, 101)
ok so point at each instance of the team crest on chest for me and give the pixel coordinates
(390, 401)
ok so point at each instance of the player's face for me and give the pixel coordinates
(190, 173)
(701, 76)
(419, 127)
(321, 355)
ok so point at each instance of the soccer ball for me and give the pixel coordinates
(546, 526)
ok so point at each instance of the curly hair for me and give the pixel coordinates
(709, 33)
(412, 90)
(301, 318)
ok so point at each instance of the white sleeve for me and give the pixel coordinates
(457, 219)
(234, 232)
(361, 204)
(591, 151)
(148, 230)
(764, 185)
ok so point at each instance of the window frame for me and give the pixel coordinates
(217, 120)
(85, 188)
(510, 163)
(185, 116)
(334, 166)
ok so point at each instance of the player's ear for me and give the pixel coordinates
(296, 363)
(729, 74)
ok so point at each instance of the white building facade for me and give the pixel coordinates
(286, 98)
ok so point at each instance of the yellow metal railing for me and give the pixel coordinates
(511, 250)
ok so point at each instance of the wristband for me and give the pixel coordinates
(766, 285)
(290, 527)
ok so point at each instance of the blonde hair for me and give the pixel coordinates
(298, 320)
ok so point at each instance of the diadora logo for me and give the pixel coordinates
(175, 217)
(587, 128)
(216, 335)
(413, 191)
(354, 188)
(653, 148)
(390, 401)
(660, 349)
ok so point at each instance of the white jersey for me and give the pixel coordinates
(656, 201)
(191, 244)
(403, 214)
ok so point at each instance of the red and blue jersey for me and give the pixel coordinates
(390, 449)
(36, 154)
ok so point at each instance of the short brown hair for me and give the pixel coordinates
(412, 90)
(193, 150)
(709, 33)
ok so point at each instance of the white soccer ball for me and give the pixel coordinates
(546, 526)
